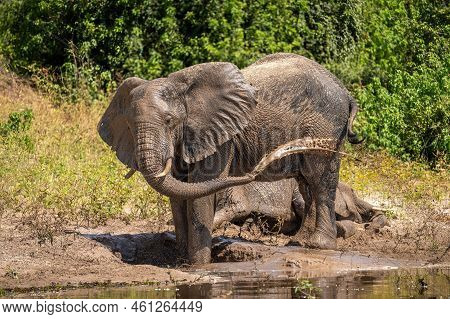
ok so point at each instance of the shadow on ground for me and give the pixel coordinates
(158, 249)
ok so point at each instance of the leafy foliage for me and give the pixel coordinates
(152, 38)
(393, 54)
(17, 122)
(405, 97)
(15, 128)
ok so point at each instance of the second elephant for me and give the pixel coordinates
(282, 203)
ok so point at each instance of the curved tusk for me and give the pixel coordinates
(130, 173)
(380, 209)
(166, 169)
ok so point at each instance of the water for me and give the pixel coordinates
(410, 283)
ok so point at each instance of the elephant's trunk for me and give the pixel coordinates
(151, 148)
(154, 162)
(172, 187)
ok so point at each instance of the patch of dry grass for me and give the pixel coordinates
(411, 182)
(67, 175)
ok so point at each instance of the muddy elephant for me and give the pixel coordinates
(282, 204)
(207, 127)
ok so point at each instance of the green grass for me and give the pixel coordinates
(306, 289)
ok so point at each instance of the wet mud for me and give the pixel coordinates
(245, 264)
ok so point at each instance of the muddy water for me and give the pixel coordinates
(411, 283)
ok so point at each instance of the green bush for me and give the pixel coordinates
(14, 130)
(152, 38)
(404, 96)
(17, 122)
(393, 54)
(410, 116)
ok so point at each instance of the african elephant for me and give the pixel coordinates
(279, 201)
(207, 127)
(282, 203)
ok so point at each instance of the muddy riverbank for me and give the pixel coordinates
(143, 253)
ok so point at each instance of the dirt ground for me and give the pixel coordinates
(143, 252)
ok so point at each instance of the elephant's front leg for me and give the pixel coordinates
(200, 224)
(179, 215)
(200, 211)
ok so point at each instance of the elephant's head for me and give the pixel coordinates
(190, 113)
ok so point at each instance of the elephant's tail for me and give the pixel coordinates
(352, 136)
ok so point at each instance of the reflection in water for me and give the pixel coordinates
(413, 283)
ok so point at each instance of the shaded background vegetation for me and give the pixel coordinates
(393, 54)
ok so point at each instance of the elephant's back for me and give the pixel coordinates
(288, 63)
(287, 75)
(299, 92)
(296, 98)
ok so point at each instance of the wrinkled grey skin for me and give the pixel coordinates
(282, 203)
(217, 122)
(279, 201)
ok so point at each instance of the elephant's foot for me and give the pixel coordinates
(345, 228)
(319, 240)
(200, 257)
(182, 251)
(377, 222)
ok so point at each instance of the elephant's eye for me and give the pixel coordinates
(169, 120)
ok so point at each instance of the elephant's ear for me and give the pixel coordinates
(113, 127)
(345, 200)
(218, 104)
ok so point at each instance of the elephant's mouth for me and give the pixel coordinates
(166, 170)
